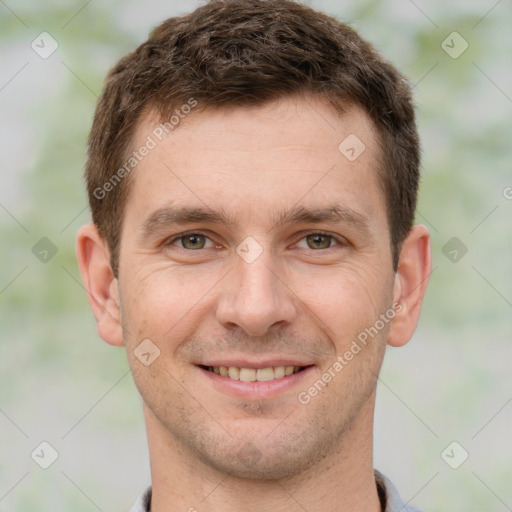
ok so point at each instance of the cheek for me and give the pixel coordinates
(163, 304)
(344, 301)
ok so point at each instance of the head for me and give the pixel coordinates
(252, 174)
(250, 53)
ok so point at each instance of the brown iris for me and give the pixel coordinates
(193, 241)
(319, 241)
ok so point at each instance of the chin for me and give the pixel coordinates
(272, 457)
(266, 467)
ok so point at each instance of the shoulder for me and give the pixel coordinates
(390, 496)
(143, 503)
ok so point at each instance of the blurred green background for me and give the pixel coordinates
(61, 384)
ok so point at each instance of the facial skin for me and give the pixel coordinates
(302, 301)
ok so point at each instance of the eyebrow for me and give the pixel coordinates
(163, 218)
(330, 214)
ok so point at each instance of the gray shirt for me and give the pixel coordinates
(390, 499)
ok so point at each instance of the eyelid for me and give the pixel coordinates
(340, 240)
(171, 240)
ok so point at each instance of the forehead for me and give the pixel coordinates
(254, 161)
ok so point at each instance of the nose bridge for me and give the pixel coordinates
(254, 266)
(257, 299)
(257, 280)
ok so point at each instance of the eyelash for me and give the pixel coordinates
(176, 238)
(339, 241)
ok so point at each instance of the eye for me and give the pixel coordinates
(192, 241)
(318, 241)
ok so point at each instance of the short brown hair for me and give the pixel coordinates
(247, 53)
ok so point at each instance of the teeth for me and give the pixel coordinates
(265, 374)
(252, 375)
(279, 372)
(248, 374)
(234, 373)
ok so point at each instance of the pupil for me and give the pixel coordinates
(193, 241)
(320, 241)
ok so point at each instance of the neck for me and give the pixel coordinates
(341, 481)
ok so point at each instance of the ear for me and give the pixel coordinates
(101, 286)
(411, 280)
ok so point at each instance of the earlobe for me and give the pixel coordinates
(411, 282)
(100, 283)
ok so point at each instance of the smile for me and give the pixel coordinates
(254, 374)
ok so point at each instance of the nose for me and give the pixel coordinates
(256, 298)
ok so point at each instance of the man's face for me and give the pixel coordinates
(250, 240)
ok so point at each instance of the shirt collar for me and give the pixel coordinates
(387, 493)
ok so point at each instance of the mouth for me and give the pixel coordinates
(254, 374)
(263, 381)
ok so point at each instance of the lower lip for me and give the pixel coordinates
(257, 390)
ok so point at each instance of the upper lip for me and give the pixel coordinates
(244, 363)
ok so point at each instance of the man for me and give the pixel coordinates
(252, 174)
